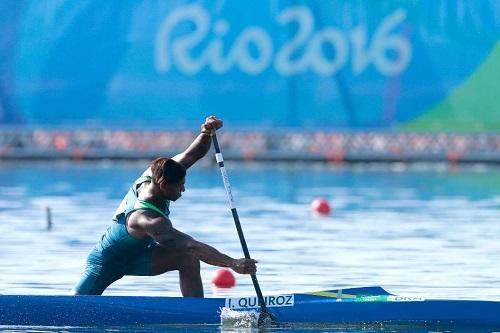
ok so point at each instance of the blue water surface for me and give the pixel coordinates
(419, 230)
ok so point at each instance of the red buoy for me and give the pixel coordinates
(223, 278)
(321, 206)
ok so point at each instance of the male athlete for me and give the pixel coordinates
(142, 240)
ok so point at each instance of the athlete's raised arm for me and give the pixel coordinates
(201, 144)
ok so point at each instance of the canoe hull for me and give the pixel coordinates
(353, 306)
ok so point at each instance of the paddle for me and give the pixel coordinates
(264, 314)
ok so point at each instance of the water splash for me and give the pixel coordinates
(238, 319)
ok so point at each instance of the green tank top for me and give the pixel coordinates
(116, 240)
(130, 198)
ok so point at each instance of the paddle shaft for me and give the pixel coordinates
(227, 186)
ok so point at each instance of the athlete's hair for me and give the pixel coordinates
(167, 170)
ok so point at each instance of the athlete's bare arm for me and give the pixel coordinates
(144, 223)
(200, 145)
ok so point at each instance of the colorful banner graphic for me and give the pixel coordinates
(357, 64)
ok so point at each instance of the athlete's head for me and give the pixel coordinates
(170, 176)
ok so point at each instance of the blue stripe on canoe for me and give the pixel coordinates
(93, 311)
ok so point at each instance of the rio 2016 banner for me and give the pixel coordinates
(350, 64)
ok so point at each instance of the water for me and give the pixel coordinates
(429, 231)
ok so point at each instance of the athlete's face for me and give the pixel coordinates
(174, 191)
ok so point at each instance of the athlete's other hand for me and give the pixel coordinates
(245, 266)
(210, 125)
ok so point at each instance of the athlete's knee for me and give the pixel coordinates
(94, 282)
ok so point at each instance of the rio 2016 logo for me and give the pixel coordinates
(389, 52)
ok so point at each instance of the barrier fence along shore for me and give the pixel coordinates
(369, 146)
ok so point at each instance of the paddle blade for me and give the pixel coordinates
(265, 319)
